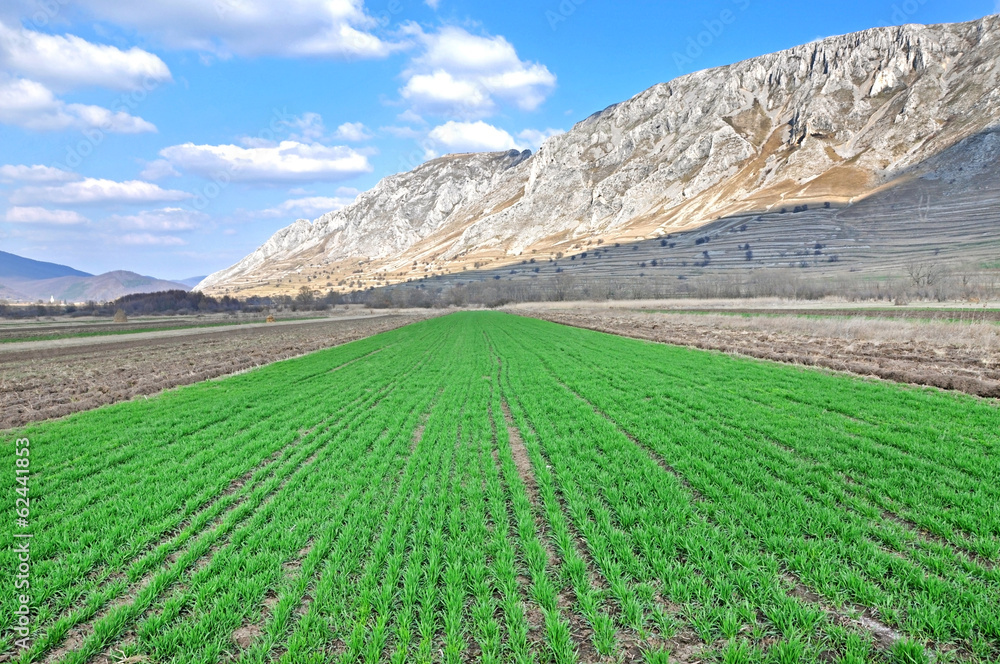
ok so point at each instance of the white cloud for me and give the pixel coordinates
(533, 138)
(31, 105)
(309, 126)
(328, 28)
(471, 137)
(310, 207)
(65, 62)
(409, 116)
(159, 169)
(433, 4)
(289, 161)
(39, 215)
(462, 74)
(440, 92)
(353, 132)
(258, 142)
(164, 219)
(37, 173)
(150, 240)
(94, 191)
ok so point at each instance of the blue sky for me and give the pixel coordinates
(172, 137)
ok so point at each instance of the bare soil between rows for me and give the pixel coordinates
(944, 363)
(54, 380)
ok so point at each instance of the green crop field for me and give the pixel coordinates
(483, 487)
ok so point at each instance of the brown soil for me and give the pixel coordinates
(13, 331)
(51, 379)
(521, 458)
(967, 315)
(245, 636)
(951, 358)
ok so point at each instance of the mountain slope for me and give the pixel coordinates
(943, 223)
(99, 288)
(830, 122)
(397, 213)
(19, 267)
(191, 282)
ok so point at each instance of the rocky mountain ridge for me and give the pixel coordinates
(825, 123)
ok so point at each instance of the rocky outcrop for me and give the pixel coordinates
(400, 211)
(829, 121)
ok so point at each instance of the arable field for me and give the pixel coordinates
(960, 353)
(484, 487)
(40, 380)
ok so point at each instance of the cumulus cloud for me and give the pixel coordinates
(289, 161)
(326, 28)
(309, 128)
(164, 219)
(31, 105)
(458, 73)
(40, 215)
(441, 92)
(150, 240)
(353, 132)
(471, 137)
(94, 191)
(66, 62)
(36, 173)
(159, 169)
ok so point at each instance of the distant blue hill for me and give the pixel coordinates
(191, 282)
(18, 267)
(26, 280)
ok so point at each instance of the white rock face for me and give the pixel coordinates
(398, 212)
(830, 120)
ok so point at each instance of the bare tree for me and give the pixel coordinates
(924, 273)
(562, 284)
